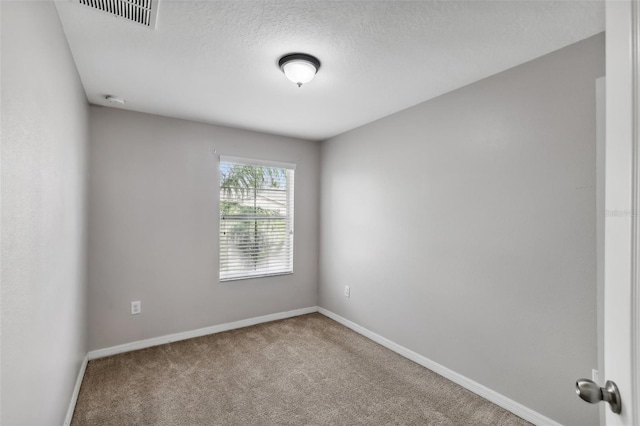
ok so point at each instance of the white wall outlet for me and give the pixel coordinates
(347, 291)
(595, 376)
(136, 307)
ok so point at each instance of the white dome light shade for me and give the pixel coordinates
(299, 67)
(300, 72)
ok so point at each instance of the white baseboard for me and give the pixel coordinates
(155, 341)
(475, 387)
(76, 391)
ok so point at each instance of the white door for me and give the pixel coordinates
(622, 202)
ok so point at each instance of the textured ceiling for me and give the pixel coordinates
(216, 61)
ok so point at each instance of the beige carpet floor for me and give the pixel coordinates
(307, 370)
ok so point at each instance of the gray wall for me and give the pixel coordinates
(466, 228)
(44, 140)
(153, 227)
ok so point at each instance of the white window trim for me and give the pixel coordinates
(254, 162)
(258, 163)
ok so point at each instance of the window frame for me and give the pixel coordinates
(290, 208)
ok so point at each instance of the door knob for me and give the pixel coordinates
(592, 393)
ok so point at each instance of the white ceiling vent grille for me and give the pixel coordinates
(141, 11)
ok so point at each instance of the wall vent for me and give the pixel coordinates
(141, 11)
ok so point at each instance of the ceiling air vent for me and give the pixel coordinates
(141, 11)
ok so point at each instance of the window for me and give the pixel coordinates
(256, 218)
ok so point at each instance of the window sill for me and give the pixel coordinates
(255, 276)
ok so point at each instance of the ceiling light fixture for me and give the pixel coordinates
(300, 68)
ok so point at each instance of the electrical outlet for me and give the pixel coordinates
(136, 307)
(347, 291)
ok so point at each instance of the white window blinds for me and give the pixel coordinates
(256, 218)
